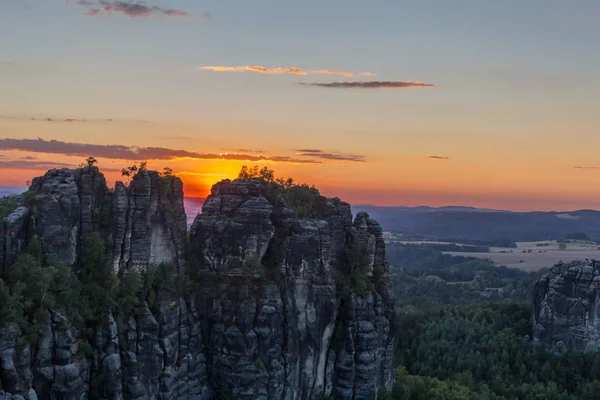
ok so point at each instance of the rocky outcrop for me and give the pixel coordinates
(270, 295)
(566, 306)
(59, 370)
(287, 302)
(68, 207)
(153, 354)
(13, 236)
(149, 222)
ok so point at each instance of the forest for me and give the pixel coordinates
(464, 332)
(422, 277)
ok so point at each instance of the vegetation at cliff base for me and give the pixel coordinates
(7, 205)
(29, 289)
(483, 349)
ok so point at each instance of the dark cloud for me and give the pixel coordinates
(371, 84)
(32, 165)
(38, 118)
(439, 157)
(330, 156)
(29, 158)
(135, 9)
(585, 167)
(133, 153)
(51, 119)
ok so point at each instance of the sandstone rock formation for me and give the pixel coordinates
(282, 306)
(566, 306)
(281, 331)
(13, 235)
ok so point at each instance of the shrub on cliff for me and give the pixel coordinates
(300, 198)
(98, 282)
(353, 276)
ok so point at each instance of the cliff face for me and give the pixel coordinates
(281, 308)
(274, 325)
(149, 222)
(566, 306)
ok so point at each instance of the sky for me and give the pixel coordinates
(464, 102)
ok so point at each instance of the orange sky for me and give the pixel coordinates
(403, 179)
(468, 103)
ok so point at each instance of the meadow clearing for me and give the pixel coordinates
(531, 256)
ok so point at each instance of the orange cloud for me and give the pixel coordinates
(332, 72)
(279, 70)
(256, 68)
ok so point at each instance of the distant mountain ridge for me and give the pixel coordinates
(428, 208)
(484, 224)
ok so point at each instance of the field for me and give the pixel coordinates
(531, 256)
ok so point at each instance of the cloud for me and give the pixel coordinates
(255, 68)
(32, 165)
(438, 157)
(332, 72)
(29, 158)
(247, 150)
(134, 9)
(585, 167)
(279, 70)
(93, 12)
(133, 153)
(329, 156)
(371, 84)
(57, 119)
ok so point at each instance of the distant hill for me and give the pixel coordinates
(9, 190)
(484, 224)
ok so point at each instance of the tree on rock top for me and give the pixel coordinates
(89, 162)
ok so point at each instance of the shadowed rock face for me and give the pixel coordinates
(13, 235)
(149, 222)
(269, 318)
(270, 334)
(566, 306)
(67, 209)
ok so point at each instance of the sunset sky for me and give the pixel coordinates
(467, 102)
